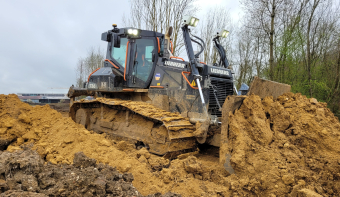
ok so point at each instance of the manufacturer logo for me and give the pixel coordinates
(157, 76)
(103, 84)
(219, 71)
(174, 64)
(92, 85)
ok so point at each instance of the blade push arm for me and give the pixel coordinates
(203, 128)
(190, 52)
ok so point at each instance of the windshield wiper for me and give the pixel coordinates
(134, 66)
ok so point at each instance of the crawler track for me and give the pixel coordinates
(163, 132)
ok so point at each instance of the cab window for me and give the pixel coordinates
(143, 56)
(119, 54)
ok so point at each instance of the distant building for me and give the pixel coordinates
(43, 97)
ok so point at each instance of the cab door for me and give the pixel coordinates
(141, 66)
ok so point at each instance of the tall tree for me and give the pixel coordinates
(263, 15)
(215, 20)
(159, 15)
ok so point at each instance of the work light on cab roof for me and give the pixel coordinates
(223, 33)
(191, 21)
(133, 32)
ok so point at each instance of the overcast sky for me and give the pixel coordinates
(41, 41)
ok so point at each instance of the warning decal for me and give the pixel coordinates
(193, 83)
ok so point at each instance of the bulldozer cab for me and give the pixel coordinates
(132, 56)
(140, 67)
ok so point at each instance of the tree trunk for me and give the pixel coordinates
(308, 61)
(271, 58)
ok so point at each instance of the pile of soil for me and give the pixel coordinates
(286, 146)
(23, 173)
(57, 139)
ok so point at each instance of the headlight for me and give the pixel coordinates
(223, 33)
(133, 32)
(190, 20)
(196, 22)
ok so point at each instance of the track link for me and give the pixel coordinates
(163, 132)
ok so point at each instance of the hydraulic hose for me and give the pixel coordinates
(202, 45)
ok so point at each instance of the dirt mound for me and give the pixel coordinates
(23, 173)
(285, 146)
(57, 139)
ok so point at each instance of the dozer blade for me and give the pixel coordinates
(260, 87)
(163, 132)
(264, 88)
(74, 92)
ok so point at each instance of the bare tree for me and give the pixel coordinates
(263, 15)
(216, 19)
(88, 64)
(159, 15)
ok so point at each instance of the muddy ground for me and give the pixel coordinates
(25, 173)
(283, 147)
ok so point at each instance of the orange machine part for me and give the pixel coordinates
(128, 90)
(111, 63)
(172, 47)
(177, 58)
(188, 80)
(159, 46)
(88, 79)
(156, 87)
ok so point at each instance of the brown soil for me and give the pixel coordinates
(57, 139)
(23, 173)
(286, 147)
(283, 147)
(64, 114)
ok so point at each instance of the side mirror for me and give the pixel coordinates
(106, 37)
(116, 40)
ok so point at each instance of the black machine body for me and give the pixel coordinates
(140, 65)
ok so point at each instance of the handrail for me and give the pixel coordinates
(127, 49)
(177, 58)
(156, 87)
(88, 79)
(188, 80)
(172, 47)
(159, 47)
(111, 63)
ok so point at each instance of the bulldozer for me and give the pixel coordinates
(144, 94)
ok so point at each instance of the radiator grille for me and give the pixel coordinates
(224, 88)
